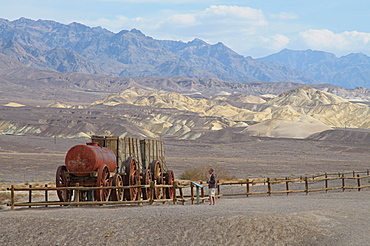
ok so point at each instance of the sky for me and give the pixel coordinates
(255, 28)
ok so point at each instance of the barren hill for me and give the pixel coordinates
(139, 112)
(306, 96)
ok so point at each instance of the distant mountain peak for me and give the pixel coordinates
(136, 31)
(197, 41)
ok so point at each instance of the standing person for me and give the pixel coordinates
(212, 185)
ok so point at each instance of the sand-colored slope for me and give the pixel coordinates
(297, 113)
(302, 127)
(306, 97)
(152, 113)
(14, 104)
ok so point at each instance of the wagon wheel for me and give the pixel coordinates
(147, 177)
(62, 181)
(131, 178)
(103, 181)
(169, 177)
(117, 194)
(157, 175)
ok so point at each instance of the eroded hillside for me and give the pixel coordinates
(138, 112)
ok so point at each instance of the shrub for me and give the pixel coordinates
(201, 173)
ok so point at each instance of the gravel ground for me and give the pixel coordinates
(334, 218)
(337, 218)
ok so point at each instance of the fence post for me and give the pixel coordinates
(182, 196)
(326, 182)
(46, 195)
(139, 193)
(358, 182)
(306, 184)
(30, 195)
(174, 192)
(248, 188)
(151, 189)
(12, 198)
(287, 185)
(164, 192)
(192, 192)
(268, 186)
(77, 195)
(202, 192)
(343, 183)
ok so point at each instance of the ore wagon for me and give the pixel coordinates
(115, 161)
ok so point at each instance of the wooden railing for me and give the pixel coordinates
(244, 187)
(324, 182)
(178, 188)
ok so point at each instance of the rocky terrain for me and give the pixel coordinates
(150, 113)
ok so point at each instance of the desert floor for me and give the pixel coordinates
(333, 218)
(320, 219)
(35, 159)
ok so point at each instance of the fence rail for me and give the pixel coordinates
(242, 187)
(269, 186)
(178, 188)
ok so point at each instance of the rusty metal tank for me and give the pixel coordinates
(89, 157)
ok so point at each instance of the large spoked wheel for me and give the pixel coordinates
(131, 178)
(117, 194)
(169, 178)
(157, 175)
(62, 181)
(103, 181)
(147, 177)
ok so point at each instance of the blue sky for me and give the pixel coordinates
(252, 27)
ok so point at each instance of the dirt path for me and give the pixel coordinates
(340, 218)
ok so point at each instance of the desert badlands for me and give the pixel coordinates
(302, 132)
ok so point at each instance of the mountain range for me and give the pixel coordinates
(49, 45)
(348, 71)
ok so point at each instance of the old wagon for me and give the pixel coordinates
(117, 162)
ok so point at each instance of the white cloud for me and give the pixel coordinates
(232, 12)
(283, 16)
(182, 19)
(275, 42)
(339, 43)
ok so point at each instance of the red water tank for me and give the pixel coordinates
(88, 158)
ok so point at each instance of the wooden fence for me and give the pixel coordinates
(324, 182)
(242, 187)
(179, 195)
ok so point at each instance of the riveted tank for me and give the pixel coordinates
(89, 157)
